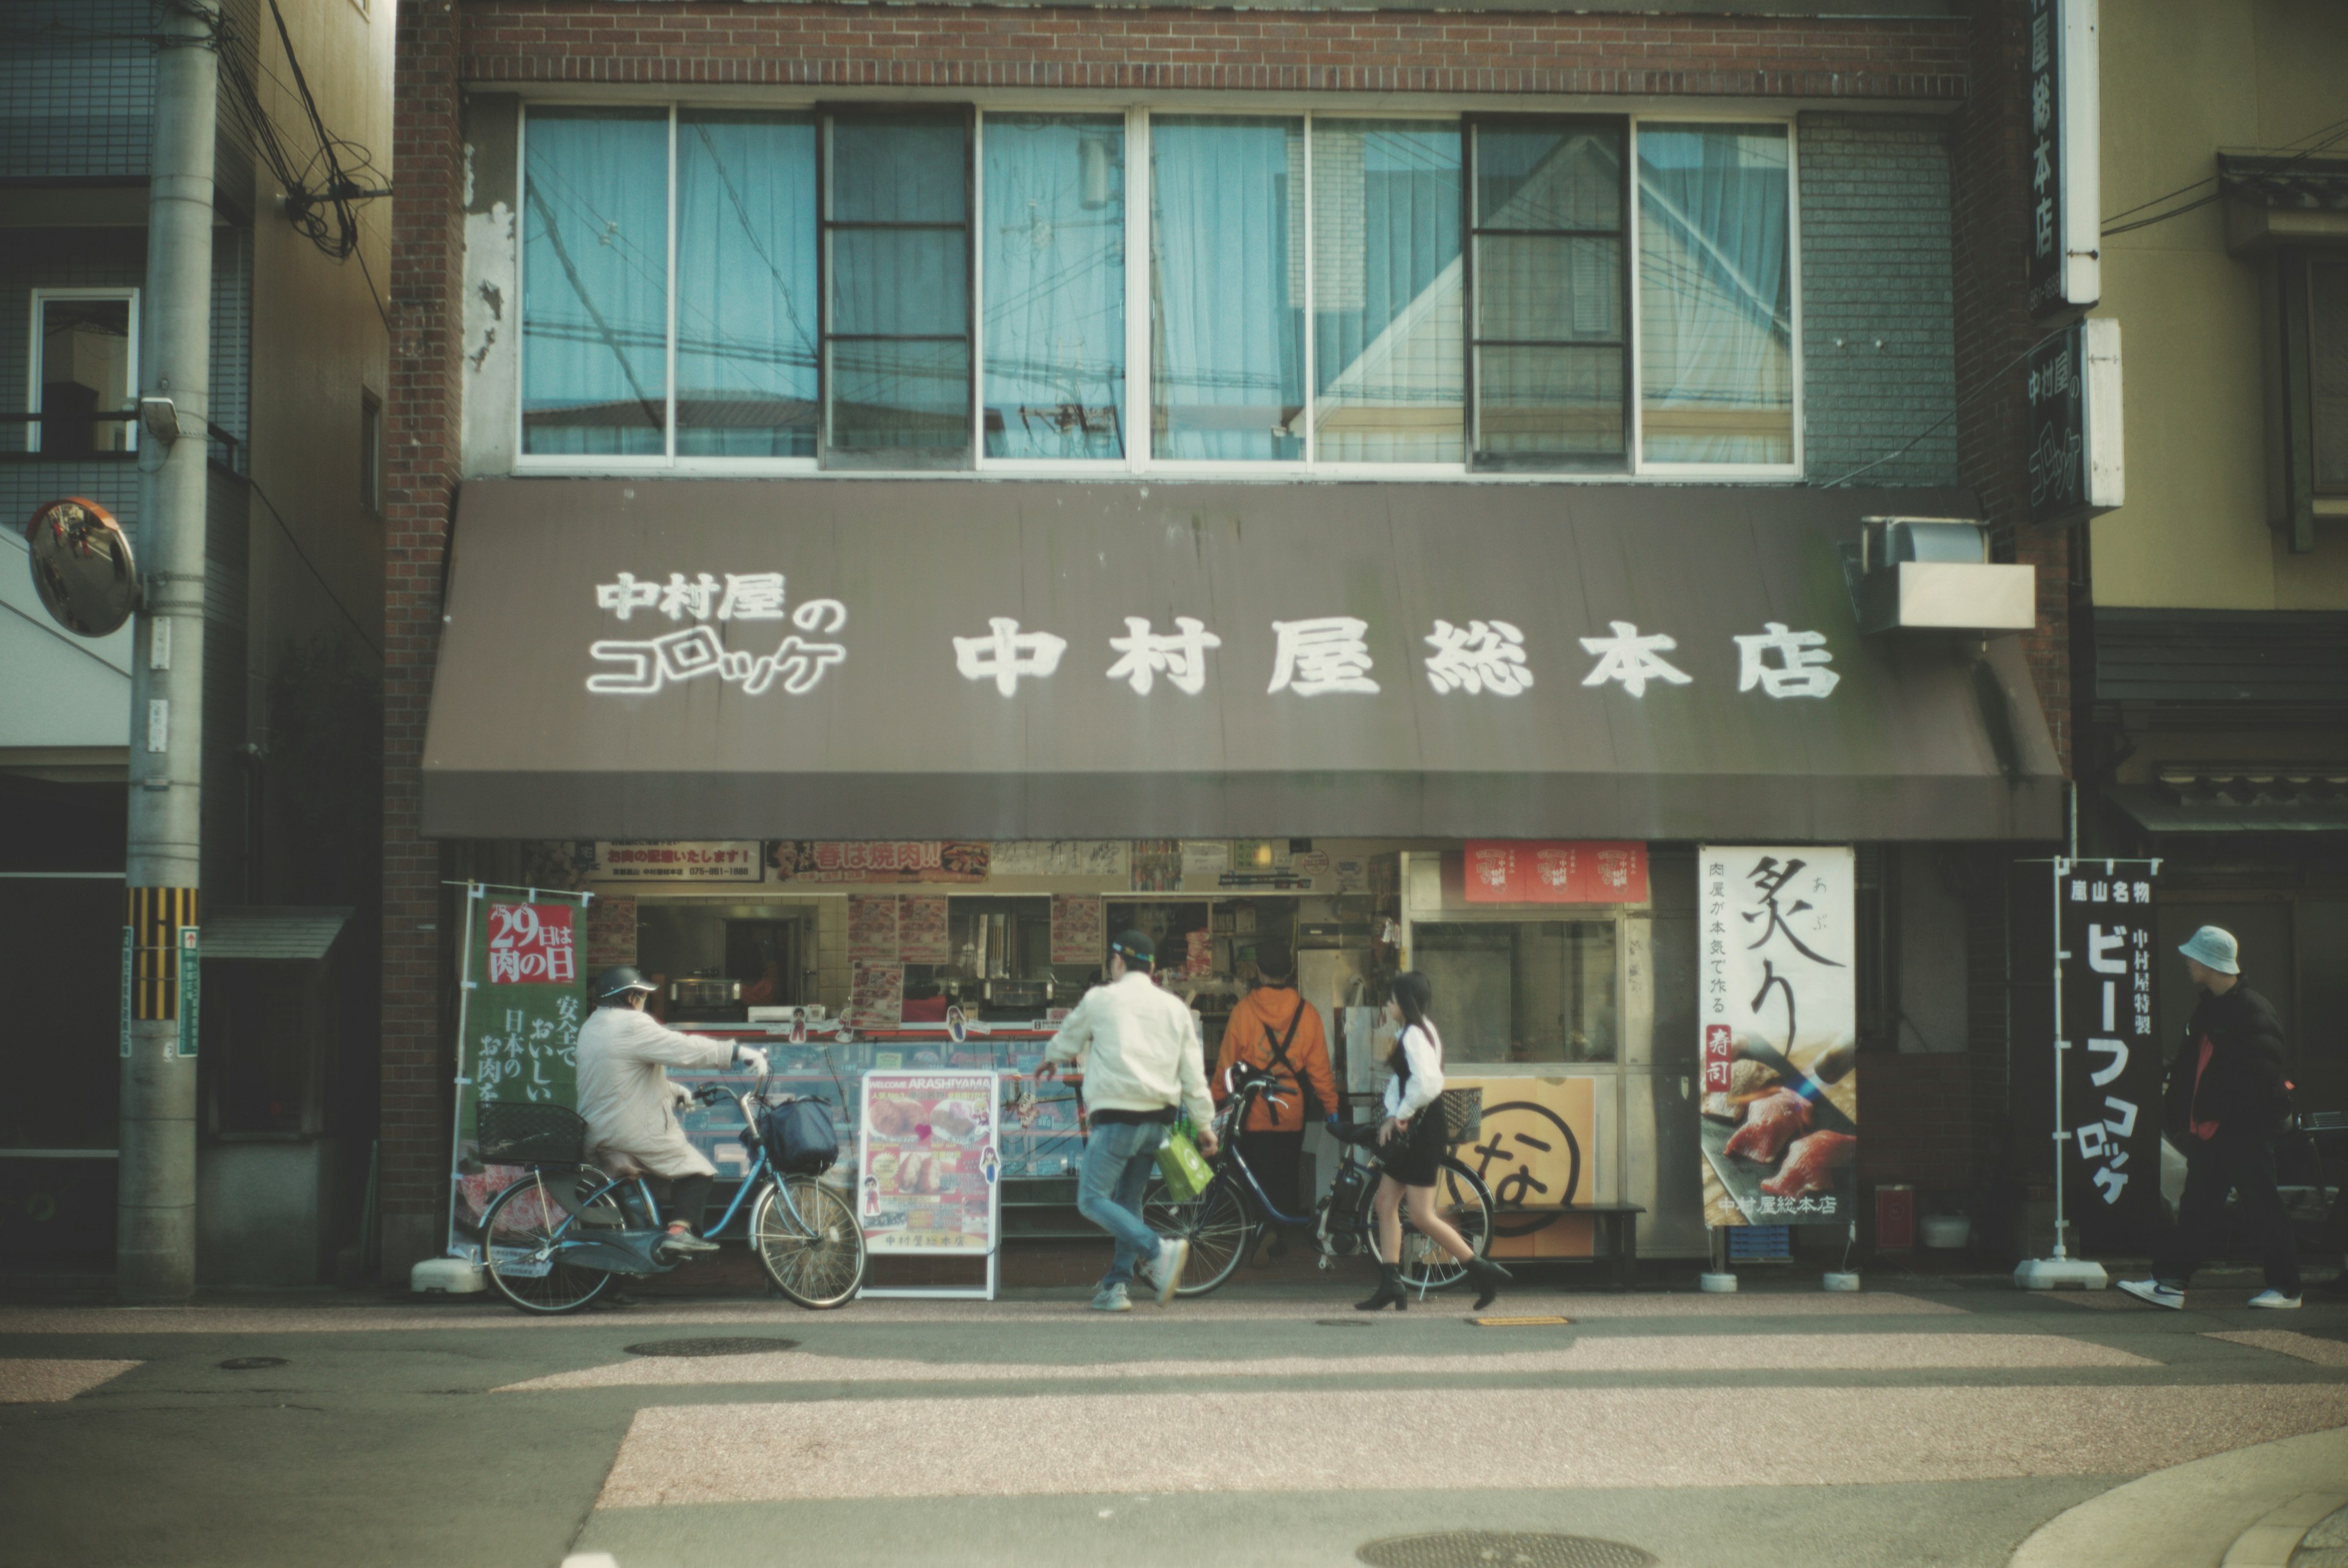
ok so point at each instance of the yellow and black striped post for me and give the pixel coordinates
(157, 917)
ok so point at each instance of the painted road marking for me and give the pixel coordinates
(1342, 1439)
(2286, 1342)
(42, 1382)
(1641, 1353)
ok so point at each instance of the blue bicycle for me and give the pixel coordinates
(553, 1240)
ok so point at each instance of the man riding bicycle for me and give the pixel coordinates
(631, 1107)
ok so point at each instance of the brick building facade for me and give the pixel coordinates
(1910, 222)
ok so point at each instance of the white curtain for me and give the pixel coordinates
(595, 285)
(1054, 284)
(1715, 294)
(745, 288)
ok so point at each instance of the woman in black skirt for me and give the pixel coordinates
(1412, 1143)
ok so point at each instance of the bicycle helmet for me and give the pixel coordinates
(618, 980)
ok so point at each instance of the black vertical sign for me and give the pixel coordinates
(2044, 117)
(2110, 1135)
(2057, 400)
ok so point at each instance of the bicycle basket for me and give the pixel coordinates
(519, 1133)
(799, 1137)
(1463, 1115)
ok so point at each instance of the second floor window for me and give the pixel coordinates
(85, 372)
(904, 289)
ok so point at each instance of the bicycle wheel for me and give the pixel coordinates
(815, 1256)
(522, 1241)
(1468, 1207)
(1216, 1224)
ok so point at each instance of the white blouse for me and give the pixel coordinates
(1422, 1047)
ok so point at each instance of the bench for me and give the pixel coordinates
(1617, 1226)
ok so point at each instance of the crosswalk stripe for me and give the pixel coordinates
(38, 1381)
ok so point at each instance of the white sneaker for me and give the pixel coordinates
(2155, 1292)
(2276, 1299)
(1165, 1274)
(1111, 1298)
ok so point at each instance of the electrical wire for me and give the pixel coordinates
(286, 528)
(1987, 386)
(2334, 134)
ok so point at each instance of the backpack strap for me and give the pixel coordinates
(1279, 1060)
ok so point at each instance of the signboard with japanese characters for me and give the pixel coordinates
(1778, 1019)
(923, 936)
(2110, 1133)
(2065, 237)
(875, 861)
(876, 996)
(678, 860)
(1538, 1148)
(872, 929)
(523, 999)
(1535, 871)
(929, 1164)
(1078, 933)
(2072, 392)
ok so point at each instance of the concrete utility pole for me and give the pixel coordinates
(155, 1242)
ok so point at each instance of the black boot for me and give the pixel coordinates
(1488, 1277)
(1390, 1291)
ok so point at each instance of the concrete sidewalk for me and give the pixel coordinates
(2204, 1514)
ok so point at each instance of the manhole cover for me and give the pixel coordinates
(740, 1345)
(1501, 1549)
(250, 1363)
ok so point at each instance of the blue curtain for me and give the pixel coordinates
(595, 282)
(1055, 280)
(1387, 358)
(745, 286)
(1227, 288)
(1715, 294)
(899, 345)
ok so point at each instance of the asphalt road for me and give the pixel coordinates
(1918, 1423)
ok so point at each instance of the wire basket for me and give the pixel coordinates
(1463, 1114)
(519, 1132)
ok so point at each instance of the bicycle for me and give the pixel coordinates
(1224, 1222)
(553, 1240)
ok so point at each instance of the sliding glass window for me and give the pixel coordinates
(1052, 267)
(745, 286)
(1549, 348)
(1227, 288)
(897, 359)
(594, 312)
(1388, 364)
(1715, 294)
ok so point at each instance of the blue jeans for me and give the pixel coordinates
(1118, 1158)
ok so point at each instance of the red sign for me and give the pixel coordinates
(530, 944)
(1565, 871)
(1718, 1042)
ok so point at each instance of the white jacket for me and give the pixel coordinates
(1140, 1048)
(625, 1095)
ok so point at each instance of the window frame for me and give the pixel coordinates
(36, 353)
(1137, 460)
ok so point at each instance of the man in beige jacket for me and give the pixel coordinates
(631, 1107)
(1141, 1056)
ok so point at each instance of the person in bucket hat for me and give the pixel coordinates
(2226, 1103)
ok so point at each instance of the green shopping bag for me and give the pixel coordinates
(1185, 1169)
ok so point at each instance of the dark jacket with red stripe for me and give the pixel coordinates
(2242, 1088)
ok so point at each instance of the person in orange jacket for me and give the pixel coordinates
(1275, 1029)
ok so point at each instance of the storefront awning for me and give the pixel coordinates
(961, 659)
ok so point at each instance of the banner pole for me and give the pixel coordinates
(2060, 1268)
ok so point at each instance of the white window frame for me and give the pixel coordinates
(36, 348)
(1138, 414)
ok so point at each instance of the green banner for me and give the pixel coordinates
(524, 996)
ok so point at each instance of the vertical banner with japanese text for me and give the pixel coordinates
(2109, 1140)
(524, 993)
(1779, 1015)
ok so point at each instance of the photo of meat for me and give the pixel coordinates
(921, 929)
(1781, 1143)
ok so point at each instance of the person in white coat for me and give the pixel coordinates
(631, 1107)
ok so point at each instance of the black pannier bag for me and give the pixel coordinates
(799, 1137)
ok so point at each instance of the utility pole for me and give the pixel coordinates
(155, 1244)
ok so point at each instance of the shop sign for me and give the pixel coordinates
(191, 971)
(928, 1164)
(2109, 1108)
(678, 860)
(872, 860)
(1779, 1020)
(2071, 392)
(1538, 1148)
(1093, 859)
(522, 1000)
(2065, 198)
(638, 667)
(1536, 871)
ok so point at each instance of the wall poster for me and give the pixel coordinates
(928, 1163)
(1779, 1015)
(872, 934)
(1079, 934)
(921, 934)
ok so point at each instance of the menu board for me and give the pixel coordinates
(922, 936)
(928, 1165)
(876, 996)
(1106, 859)
(872, 929)
(1527, 871)
(610, 933)
(1079, 933)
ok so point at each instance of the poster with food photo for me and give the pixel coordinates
(873, 936)
(922, 936)
(928, 1162)
(1078, 934)
(876, 996)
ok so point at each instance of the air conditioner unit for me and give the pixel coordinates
(1934, 574)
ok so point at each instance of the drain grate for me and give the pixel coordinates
(739, 1345)
(250, 1363)
(1501, 1549)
